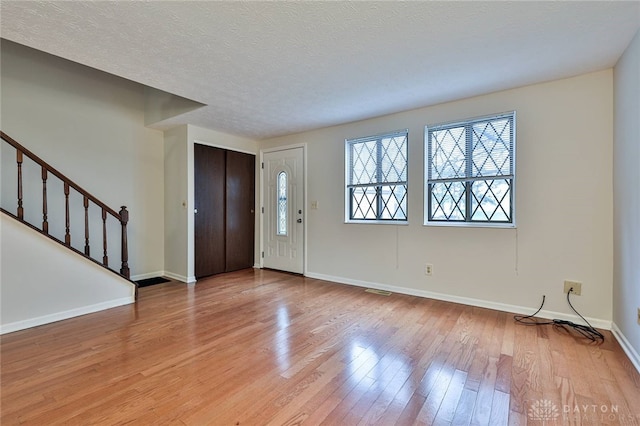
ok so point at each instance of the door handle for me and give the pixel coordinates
(299, 220)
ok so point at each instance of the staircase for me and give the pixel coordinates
(76, 212)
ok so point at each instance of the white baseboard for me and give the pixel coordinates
(599, 323)
(178, 277)
(59, 316)
(147, 275)
(626, 346)
(167, 274)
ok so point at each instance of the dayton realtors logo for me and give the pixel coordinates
(547, 412)
(597, 414)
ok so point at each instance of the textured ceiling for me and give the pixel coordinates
(265, 69)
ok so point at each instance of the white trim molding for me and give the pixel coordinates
(223, 146)
(181, 278)
(59, 316)
(596, 322)
(626, 346)
(177, 277)
(147, 275)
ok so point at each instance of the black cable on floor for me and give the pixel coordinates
(530, 319)
(587, 331)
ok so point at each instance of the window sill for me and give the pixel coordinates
(472, 225)
(377, 222)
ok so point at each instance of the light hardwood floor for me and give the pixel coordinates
(262, 347)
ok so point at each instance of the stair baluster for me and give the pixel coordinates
(46, 169)
(105, 257)
(19, 161)
(67, 234)
(87, 249)
(45, 222)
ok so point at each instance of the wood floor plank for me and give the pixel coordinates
(484, 400)
(450, 401)
(465, 407)
(386, 394)
(499, 409)
(261, 347)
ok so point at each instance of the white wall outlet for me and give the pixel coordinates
(428, 269)
(314, 205)
(576, 285)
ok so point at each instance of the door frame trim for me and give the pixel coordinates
(222, 146)
(304, 200)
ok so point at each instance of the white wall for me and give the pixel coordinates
(626, 192)
(90, 126)
(564, 206)
(36, 271)
(180, 194)
(175, 205)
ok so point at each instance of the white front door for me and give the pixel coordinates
(283, 197)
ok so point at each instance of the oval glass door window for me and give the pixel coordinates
(281, 216)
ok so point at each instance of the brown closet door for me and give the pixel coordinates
(240, 210)
(209, 232)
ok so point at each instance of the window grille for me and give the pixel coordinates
(470, 171)
(376, 178)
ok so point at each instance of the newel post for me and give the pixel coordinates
(124, 218)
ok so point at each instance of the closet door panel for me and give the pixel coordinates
(240, 213)
(209, 232)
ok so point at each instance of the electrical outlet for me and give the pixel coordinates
(576, 285)
(428, 269)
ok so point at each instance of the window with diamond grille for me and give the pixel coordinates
(377, 178)
(470, 170)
